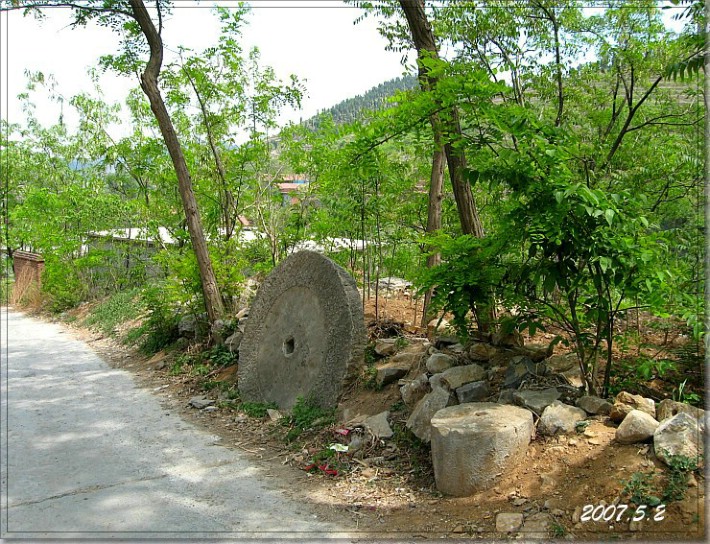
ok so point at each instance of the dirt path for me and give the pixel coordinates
(91, 455)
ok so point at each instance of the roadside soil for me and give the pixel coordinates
(391, 491)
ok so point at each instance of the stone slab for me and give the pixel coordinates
(305, 336)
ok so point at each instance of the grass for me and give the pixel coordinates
(307, 415)
(115, 310)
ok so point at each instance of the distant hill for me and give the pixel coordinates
(353, 108)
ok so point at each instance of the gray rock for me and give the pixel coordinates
(472, 392)
(419, 421)
(391, 372)
(594, 405)
(456, 348)
(437, 380)
(379, 426)
(409, 357)
(200, 402)
(233, 341)
(637, 426)
(415, 390)
(679, 435)
(508, 522)
(472, 444)
(537, 526)
(305, 336)
(536, 401)
(560, 418)
(562, 363)
(481, 352)
(668, 408)
(187, 326)
(460, 375)
(522, 368)
(438, 362)
(506, 396)
(386, 346)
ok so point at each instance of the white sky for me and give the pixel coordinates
(315, 40)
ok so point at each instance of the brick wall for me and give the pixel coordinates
(28, 266)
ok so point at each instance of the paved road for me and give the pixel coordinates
(88, 454)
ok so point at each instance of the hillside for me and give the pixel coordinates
(352, 108)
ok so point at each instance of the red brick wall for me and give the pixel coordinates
(29, 264)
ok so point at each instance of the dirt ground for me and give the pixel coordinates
(391, 492)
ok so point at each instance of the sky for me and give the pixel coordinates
(316, 40)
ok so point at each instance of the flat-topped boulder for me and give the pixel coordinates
(472, 444)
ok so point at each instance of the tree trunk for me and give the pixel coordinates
(446, 128)
(448, 123)
(433, 222)
(149, 84)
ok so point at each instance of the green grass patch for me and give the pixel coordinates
(114, 311)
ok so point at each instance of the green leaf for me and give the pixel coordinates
(609, 216)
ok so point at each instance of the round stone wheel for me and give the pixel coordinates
(305, 336)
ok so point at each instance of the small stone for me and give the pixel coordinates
(459, 529)
(594, 405)
(636, 427)
(379, 426)
(536, 401)
(508, 522)
(594, 441)
(519, 501)
(161, 365)
(200, 402)
(560, 418)
(460, 375)
(274, 415)
(692, 482)
(386, 346)
(415, 390)
(472, 392)
(577, 514)
(506, 396)
(391, 372)
(419, 421)
(625, 402)
(481, 352)
(457, 347)
(557, 512)
(439, 362)
(210, 409)
(521, 368)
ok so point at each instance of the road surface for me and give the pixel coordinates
(88, 454)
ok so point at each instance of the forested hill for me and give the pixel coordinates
(352, 108)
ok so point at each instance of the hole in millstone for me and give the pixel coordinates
(289, 346)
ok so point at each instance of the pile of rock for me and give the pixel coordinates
(458, 395)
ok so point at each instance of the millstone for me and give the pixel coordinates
(305, 335)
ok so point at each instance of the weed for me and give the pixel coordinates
(681, 395)
(307, 414)
(256, 409)
(558, 530)
(369, 378)
(401, 342)
(221, 356)
(371, 355)
(201, 369)
(639, 489)
(115, 310)
(209, 385)
(679, 468)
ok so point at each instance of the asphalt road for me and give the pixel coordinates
(88, 454)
